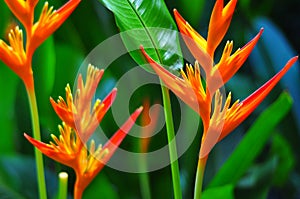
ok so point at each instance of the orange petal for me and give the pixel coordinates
(107, 102)
(49, 151)
(195, 42)
(41, 31)
(219, 23)
(174, 83)
(251, 102)
(63, 113)
(21, 10)
(228, 67)
(116, 139)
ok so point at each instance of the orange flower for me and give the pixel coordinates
(191, 91)
(204, 50)
(49, 21)
(225, 120)
(79, 113)
(15, 55)
(80, 122)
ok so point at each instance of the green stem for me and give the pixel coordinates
(37, 136)
(172, 145)
(145, 185)
(63, 185)
(199, 177)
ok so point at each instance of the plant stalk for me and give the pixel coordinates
(37, 136)
(199, 177)
(172, 145)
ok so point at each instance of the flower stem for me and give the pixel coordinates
(144, 180)
(63, 185)
(37, 136)
(172, 145)
(199, 177)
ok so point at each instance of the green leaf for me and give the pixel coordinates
(191, 10)
(221, 192)
(253, 142)
(150, 24)
(100, 187)
(8, 86)
(18, 175)
(44, 73)
(286, 158)
(5, 17)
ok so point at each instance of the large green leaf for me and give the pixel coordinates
(150, 24)
(253, 142)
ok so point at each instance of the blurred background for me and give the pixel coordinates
(275, 169)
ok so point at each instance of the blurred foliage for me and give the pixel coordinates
(273, 171)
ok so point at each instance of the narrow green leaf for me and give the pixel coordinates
(221, 192)
(253, 142)
(150, 24)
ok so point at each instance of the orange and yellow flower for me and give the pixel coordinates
(17, 56)
(80, 120)
(190, 87)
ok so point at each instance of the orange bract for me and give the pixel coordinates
(80, 120)
(217, 121)
(16, 56)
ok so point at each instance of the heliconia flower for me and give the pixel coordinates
(190, 90)
(14, 54)
(203, 50)
(225, 119)
(49, 21)
(80, 120)
(79, 113)
(219, 23)
(69, 149)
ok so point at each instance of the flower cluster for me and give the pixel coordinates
(80, 120)
(218, 119)
(19, 57)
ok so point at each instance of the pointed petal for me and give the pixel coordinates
(107, 102)
(20, 10)
(251, 102)
(64, 114)
(49, 151)
(219, 23)
(228, 67)
(43, 29)
(116, 140)
(195, 42)
(174, 83)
